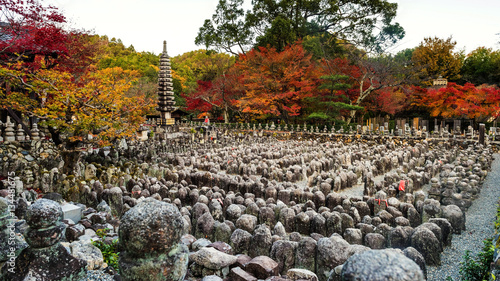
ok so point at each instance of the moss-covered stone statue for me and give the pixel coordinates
(45, 259)
(150, 241)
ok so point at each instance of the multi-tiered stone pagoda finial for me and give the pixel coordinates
(166, 100)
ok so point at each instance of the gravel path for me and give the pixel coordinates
(479, 226)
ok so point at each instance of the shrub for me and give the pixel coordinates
(477, 269)
(109, 250)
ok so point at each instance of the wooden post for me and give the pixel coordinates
(481, 133)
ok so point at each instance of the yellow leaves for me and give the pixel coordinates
(436, 58)
(94, 104)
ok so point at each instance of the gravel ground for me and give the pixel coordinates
(480, 218)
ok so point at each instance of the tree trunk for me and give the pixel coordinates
(71, 157)
(352, 114)
(226, 115)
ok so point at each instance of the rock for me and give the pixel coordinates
(89, 253)
(446, 229)
(74, 231)
(431, 209)
(21, 208)
(103, 207)
(427, 244)
(44, 213)
(261, 241)
(240, 241)
(279, 230)
(305, 256)
(222, 246)
(436, 230)
(417, 257)
(262, 267)
(332, 251)
(414, 217)
(188, 240)
(114, 198)
(212, 258)
(54, 197)
(242, 260)
(205, 226)
(302, 223)
(238, 274)
(222, 232)
(246, 222)
(374, 241)
(400, 238)
(334, 223)
(267, 216)
(381, 265)
(402, 221)
(283, 252)
(353, 236)
(149, 238)
(200, 243)
(301, 274)
(212, 278)
(456, 217)
(287, 218)
(233, 212)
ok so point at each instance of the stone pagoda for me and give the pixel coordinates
(166, 100)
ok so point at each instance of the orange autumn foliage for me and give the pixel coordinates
(275, 82)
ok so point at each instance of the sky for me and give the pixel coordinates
(146, 23)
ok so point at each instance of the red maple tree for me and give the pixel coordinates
(217, 95)
(275, 83)
(28, 28)
(468, 101)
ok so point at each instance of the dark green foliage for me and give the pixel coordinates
(227, 29)
(482, 66)
(328, 106)
(282, 22)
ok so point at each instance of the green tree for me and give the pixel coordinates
(482, 66)
(115, 54)
(227, 29)
(198, 65)
(279, 23)
(327, 106)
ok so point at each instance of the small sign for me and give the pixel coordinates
(170, 121)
